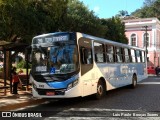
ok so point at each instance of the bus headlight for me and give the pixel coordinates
(72, 84)
(69, 86)
(75, 82)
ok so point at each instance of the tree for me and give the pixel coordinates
(115, 30)
(150, 9)
(149, 2)
(122, 13)
(27, 18)
(80, 19)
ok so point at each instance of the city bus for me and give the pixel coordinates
(73, 64)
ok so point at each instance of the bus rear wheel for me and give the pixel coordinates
(100, 90)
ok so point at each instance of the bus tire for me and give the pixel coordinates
(100, 90)
(134, 81)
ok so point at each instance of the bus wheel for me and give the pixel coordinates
(134, 81)
(100, 90)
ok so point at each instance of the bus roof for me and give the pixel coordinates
(109, 41)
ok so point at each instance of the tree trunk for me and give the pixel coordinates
(8, 64)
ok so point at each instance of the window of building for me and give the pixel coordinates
(133, 40)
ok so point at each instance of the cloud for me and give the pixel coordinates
(96, 9)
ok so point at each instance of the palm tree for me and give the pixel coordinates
(122, 13)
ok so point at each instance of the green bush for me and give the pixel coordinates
(22, 64)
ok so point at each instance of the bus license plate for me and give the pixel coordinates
(50, 93)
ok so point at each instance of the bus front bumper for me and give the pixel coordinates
(51, 93)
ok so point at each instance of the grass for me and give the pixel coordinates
(24, 70)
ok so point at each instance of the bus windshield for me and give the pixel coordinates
(60, 58)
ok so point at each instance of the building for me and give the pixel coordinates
(140, 30)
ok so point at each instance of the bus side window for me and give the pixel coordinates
(138, 55)
(130, 57)
(119, 54)
(140, 52)
(127, 57)
(110, 53)
(99, 52)
(134, 60)
(143, 56)
(86, 55)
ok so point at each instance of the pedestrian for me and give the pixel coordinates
(15, 80)
(157, 70)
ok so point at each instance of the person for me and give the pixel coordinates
(15, 80)
(157, 70)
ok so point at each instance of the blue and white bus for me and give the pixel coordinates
(73, 64)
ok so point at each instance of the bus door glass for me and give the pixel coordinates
(86, 60)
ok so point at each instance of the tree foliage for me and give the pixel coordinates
(115, 29)
(79, 18)
(28, 18)
(150, 9)
(122, 13)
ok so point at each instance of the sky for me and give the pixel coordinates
(109, 8)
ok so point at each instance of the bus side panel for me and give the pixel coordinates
(118, 75)
(102, 71)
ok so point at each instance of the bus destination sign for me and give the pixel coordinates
(52, 39)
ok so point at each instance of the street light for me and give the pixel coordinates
(146, 41)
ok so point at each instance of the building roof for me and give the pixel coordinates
(10, 46)
(3, 43)
(139, 21)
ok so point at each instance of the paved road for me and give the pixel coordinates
(123, 103)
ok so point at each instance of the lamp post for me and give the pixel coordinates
(158, 59)
(146, 42)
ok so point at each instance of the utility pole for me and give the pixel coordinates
(146, 42)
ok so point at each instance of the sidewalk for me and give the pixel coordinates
(151, 75)
(11, 102)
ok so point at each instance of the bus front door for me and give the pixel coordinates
(86, 60)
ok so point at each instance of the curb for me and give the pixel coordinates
(22, 105)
